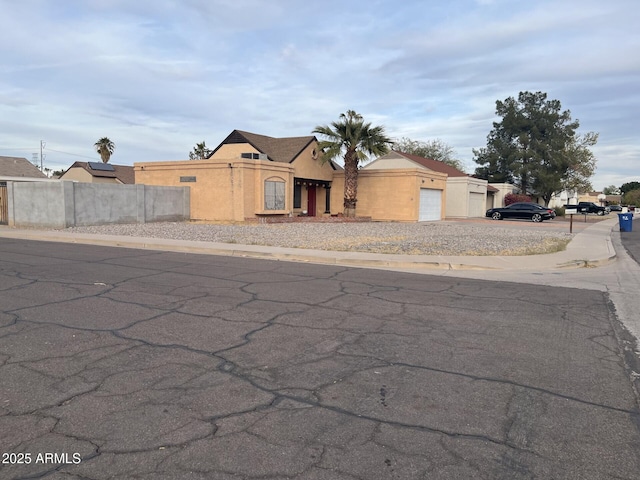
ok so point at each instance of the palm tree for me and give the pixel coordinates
(105, 148)
(200, 152)
(357, 140)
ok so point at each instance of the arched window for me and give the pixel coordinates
(274, 193)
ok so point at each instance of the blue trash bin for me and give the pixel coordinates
(626, 221)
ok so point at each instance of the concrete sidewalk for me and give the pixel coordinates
(591, 247)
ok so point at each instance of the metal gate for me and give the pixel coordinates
(4, 204)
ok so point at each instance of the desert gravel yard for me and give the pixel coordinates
(433, 238)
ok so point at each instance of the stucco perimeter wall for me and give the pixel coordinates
(221, 189)
(34, 204)
(67, 204)
(389, 195)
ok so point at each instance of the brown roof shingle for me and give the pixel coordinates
(19, 167)
(283, 150)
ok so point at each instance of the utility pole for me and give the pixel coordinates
(42, 145)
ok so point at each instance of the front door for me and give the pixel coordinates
(311, 201)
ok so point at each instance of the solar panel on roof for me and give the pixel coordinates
(103, 167)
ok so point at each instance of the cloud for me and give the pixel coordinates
(158, 76)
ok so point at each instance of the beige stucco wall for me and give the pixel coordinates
(589, 197)
(389, 195)
(308, 167)
(81, 175)
(503, 189)
(391, 161)
(225, 189)
(459, 196)
(233, 150)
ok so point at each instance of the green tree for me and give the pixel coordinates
(629, 186)
(200, 152)
(354, 138)
(535, 146)
(632, 197)
(581, 164)
(105, 148)
(611, 190)
(434, 149)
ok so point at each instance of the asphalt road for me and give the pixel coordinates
(150, 365)
(631, 240)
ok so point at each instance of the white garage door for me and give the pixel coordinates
(476, 205)
(430, 205)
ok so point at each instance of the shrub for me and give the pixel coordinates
(559, 211)
(632, 197)
(510, 198)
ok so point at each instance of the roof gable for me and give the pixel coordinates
(434, 165)
(284, 150)
(19, 167)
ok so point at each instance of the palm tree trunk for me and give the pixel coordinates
(350, 183)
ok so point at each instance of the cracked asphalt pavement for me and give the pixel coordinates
(122, 364)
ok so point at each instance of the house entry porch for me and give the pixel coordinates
(309, 195)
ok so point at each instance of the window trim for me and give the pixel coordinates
(274, 198)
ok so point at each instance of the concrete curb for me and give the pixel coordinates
(591, 248)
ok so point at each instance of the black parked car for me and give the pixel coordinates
(614, 208)
(531, 211)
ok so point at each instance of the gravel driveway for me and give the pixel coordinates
(433, 238)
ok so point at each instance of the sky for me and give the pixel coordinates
(159, 76)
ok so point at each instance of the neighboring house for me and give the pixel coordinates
(98, 172)
(466, 196)
(15, 169)
(562, 198)
(19, 169)
(251, 176)
(599, 198)
(613, 199)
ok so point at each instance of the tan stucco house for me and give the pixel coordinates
(250, 176)
(98, 172)
(466, 196)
